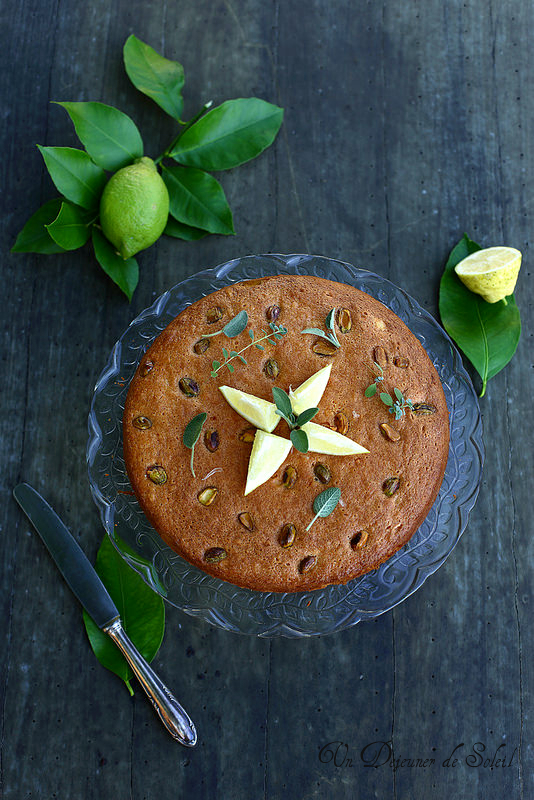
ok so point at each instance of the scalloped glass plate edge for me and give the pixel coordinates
(297, 614)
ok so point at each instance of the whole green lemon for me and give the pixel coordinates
(134, 207)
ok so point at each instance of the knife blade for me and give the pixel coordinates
(84, 582)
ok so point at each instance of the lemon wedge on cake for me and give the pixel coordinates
(268, 453)
(310, 392)
(324, 440)
(260, 413)
(491, 272)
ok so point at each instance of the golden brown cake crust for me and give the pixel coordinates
(255, 559)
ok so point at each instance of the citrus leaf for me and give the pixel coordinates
(182, 231)
(299, 440)
(71, 228)
(236, 325)
(159, 78)
(197, 199)
(110, 137)
(34, 237)
(488, 333)
(75, 175)
(229, 135)
(142, 612)
(124, 273)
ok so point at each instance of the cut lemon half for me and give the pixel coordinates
(324, 440)
(258, 412)
(491, 273)
(268, 453)
(310, 392)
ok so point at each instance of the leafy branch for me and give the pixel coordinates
(330, 335)
(284, 409)
(276, 333)
(399, 405)
(213, 139)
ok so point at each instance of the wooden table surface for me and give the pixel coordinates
(406, 124)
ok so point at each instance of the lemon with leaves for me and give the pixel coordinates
(491, 272)
(134, 207)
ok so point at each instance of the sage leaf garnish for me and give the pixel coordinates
(299, 440)
(325, 503)
(192, 433)
(306, 416)
(487, 333)
(284, 409)
(330, 335)
(217, 138)
(142, 611)
(233, 328)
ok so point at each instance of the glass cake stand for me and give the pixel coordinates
(267, 613)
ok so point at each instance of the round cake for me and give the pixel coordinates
(248, 502)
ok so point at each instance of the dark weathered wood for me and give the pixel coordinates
(406, 124)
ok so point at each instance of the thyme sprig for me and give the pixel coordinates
(330, 335)
(399, 405)
(284, 409)
(273, 337)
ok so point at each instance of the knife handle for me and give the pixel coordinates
(174, 717)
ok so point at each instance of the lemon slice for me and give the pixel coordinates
(259, 412)
(268, 453)
(324, 440)
(491, 273)
(310, 392)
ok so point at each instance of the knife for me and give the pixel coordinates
(94, 597)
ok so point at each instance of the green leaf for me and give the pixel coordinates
(299, 440)
(399, 395)
(181, 231)
(197, 199)
(386, 398)
(236, 325)
(488, 333)
(125, 273)
(230, 367)
(282, 401)
(317, 332)
(193, 428)
(34, 237)
(142, 612)
(306, 416)
(71, 228)
(330, 320)
(229, 135)
(371, 390)
(191, 433)
(110, 137)
(325, 503)
(75, 175)
(159, 78)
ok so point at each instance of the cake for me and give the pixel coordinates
(264, 540)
